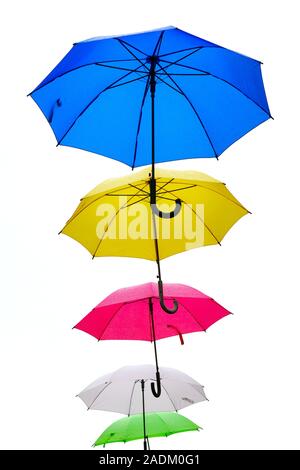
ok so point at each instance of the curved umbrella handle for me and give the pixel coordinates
(161, 300)
(167, 215)
(157, 392)
(155, 209)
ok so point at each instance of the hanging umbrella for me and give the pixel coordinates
(120, 391)
(134, 313)
(115, 95)
(128, 391)
(102, 221)
(126, 86)
(153, 425)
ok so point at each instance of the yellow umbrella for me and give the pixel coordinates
(192, 209)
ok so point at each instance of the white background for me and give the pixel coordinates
(248, 362)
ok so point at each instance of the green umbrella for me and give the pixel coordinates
(156, 424)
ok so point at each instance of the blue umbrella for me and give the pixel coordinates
(106, 92)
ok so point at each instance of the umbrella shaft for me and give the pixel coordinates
(144, 417)
(153, 134)
(153, 332)
(152, 181)
(156, 246)
(152, 91)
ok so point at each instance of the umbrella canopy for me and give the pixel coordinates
(157, 425)
(125, 314)
(118, 218)
(136, 313)
(104, 94)
(115, 218)
(121, 391)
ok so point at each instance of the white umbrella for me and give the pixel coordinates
(121, 391)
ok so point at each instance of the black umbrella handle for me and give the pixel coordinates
(157, 392)
(156, 210)
(161, 300)
(167, 215)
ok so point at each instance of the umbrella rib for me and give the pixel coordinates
(192, 315)
(111, 193)
(73, 70)
(94, 99)
(126, 187)
(223, 80)
(109, 322)
(182, 50)
(141, 299)
(165, 198)
(190, 67)
(184, 74)
(179, 189)
(200, 218)
(123, 43)
(165, 184)
(130, 401)
(209, 189)
(97, 396)
(133, 203)
(92, 202)
(196, 113)
(158, 193)
(140, 121)
(121, 195)
(61, 75)
(169, 396)
(175, 62)
(168, 84)
(79, 212)
(158, 44)
(116, 60)
(175, 190)
(89, 64)
(128, 81)
(99, 64)
(166, 74)
(133, 186)
(203, 187)
(113, 218)
(205, 225)
(184, 181)
(165, 424)
(130, 45)
(225, 197)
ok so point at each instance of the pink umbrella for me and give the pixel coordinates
(134, 313)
